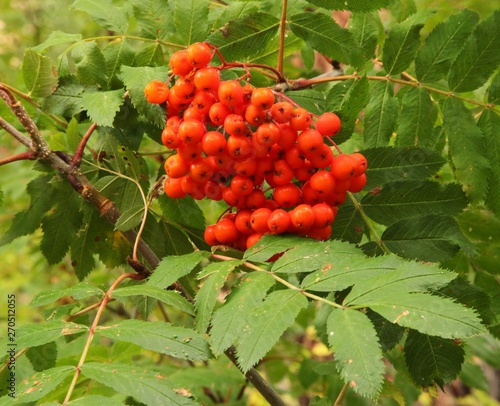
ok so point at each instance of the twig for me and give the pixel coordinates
(281, 50)
(341, 395)
(18, 135)
(77, 158)
(23, 156)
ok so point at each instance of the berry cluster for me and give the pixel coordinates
(255, 149)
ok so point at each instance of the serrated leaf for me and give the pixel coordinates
(443, 44)
(105, 13)
(172, 268)
(191, 20)
(77, 292)
(103, 106)
(242, 38)
(183, 211)
(366, 28)
(409, 198)
(353, 339)
(206, 297)
(148, 387)
(489, 123)
(66, 100)
(32, 335)
(416, 119)
(270, 245)
(176, 239)
(92, 400)
(479, 57)
(130, 218)
(434, 237)
(266, 324)
(43, 357)
(381, 115)
(389, 334)
(348, 225)
(42, 196)
(169, 297)
(310, 99)
(57, 38)
(150, 56)
(117, 53)
(428, 314)
(135, 80)
(37, 386)
(432, 359)
(312, 255)
(38, 74)
(228, 320)
(327, 37)
(351, 5)
(494, 90)
(402, 42)
(154, 17)
(89, 62)
(467, 149)
(60, 226)
(397, 163)
(162, 337)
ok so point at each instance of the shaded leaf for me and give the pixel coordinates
(310, 99)
(389, 334)
(182, 211)
(479, 57)
(67, 99)
(467, 149)
(366, 28)
(117, 53)
(443, 44)
(402, 42)
(103, 106)
(43, 357)
(266, 324)
(270, 245)
(381, 115)
(38, 74)
(154, 17)
(353, 339)
(89, 62)
(408, 198)
(348, 225)
(432, 359)
(191, 20)
(105, 13)
(76, 292)
(494, 90)
(149, 387)
(159, 336)
(92, 400)
(130, 218)
(351, 5)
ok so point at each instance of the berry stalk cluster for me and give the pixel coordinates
(253, 148)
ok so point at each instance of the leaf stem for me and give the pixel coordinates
(341, 394)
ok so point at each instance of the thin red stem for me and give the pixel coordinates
(77, 158)
(23, 156)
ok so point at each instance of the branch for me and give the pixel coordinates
(281, 50)
(14, 132)
(23, 156)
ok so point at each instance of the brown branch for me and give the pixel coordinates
(23, 156)
(18, 135)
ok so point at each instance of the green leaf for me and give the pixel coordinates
(428, 314)
(172, 268)
(348, 225)
(130, 218)
(105, 13)
(43, 357)
(381, 115)
(494, 90)
(409, 198)
(42, 195)
(76, 292)
(207, 296)
(33, 335)
(176, 240)
(242, 39)
(90, 63)
(37, 386)
(135, 80)
(169, 297)
(396, 163)
(182, 211)
(103, 106)
(270, 245)
(467, 149)
(57, 38)
(191, 20)
(266, 324)
(351, 5)
(479, 57)
(416, 119)
(312, 255)
(150, 56)
(434, 237)
(154, 17)
(353, 339)
(38, 73)
(159, 336)
(61, 225)
(388, 333)
(229, 319)
(310, 99)
(402, 42)
(67, 99)
(366, 28)
(148, 387)
(489, 123)
(443, 44)
(327, 37)
(92, 400)
(432, 359)
(117, 53)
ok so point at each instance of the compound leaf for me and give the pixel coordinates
(353, 339)
(154, 17)
(105, 13)
(77, 292)
(103, 106)
(38, 73)
(191, 20)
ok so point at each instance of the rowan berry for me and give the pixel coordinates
(175, 166)
(170, 138)
(282, 112)
(198, 54)
(179, 63)
(259, 218)
(173, 189)
(209, 235)
(323, 215)
(360, 165)
(328, 124)
(156, 92)
(262, 98)
(267, 134)
(218, 113)
(343, 167)
(309, 141)
(323, 182)
(279, 221)
(241, 185)
(201, 170)
(255, 199)
(230, 93)
(254, 115)
(234, 124)
(213, 143)
(239, 147)
(191, 131)
(302, 217)
(357, 183)
(287, 195)
(301, 119)
(207, 80)
(226, 231)
(242, 221)
(253, 239)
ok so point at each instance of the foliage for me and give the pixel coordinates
(401, 298)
